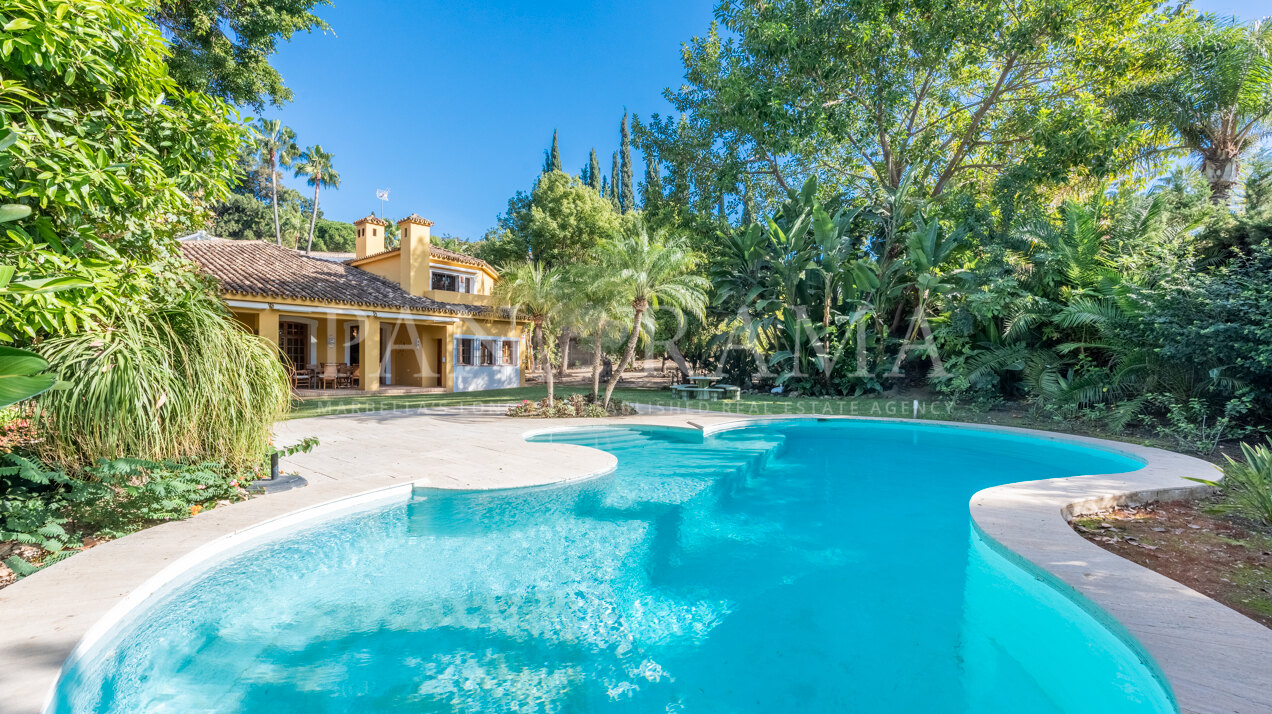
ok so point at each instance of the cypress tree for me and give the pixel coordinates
(552, 157)
(616, 184)
(605, 192)
(594, 177)
(627, 199)
(653, 193)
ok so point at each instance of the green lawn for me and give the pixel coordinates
(750, 404)
(1012, 414)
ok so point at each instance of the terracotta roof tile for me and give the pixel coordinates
(436, 251)
(372, 219)
(457, 257)
(263, 269)
(416, 218)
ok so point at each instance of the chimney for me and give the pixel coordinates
(413, 231)
(370, 235)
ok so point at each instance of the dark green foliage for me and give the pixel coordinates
(552, 156)
(242, 217)
(1221, 321)
(594, 177)
(616, 184)
(223, 48)
(627, 196)
(47, 508)
(1233, 236)
(652, 189)
(1258, 185)
(334, 236)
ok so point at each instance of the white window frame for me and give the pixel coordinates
(498, 343)
(460, 276)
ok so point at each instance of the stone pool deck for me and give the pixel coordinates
(1215, 659)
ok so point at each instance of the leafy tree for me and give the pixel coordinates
(627, 199)
(594, 177)
(112, 156)
(552, 157)
(1214, 95)
(222, 48)
(242, 217)
(650, 272)
(315, 164)
(335, 236)
(865, 93)
(276, 148)
(564, 221)
(535, 291)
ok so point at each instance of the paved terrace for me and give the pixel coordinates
(1217, 660)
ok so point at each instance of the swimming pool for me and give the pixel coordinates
(784, 566)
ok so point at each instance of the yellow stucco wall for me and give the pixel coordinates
(388, 266)
(427, 365)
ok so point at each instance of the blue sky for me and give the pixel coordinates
(450, 104)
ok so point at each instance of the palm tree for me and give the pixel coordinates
(650, 272)
(598, 304)
(276, 147)
(316, 164)
(1217, 99)
(537, 292)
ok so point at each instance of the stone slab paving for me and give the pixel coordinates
(1216, 659)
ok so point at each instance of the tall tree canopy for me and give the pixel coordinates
(556, 225)
(552, 156)
(594, 177)
(627, 197)
(222, 48)
(865, 92)
(1214, 96)
(616, 183)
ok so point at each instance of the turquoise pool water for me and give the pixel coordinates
(795, 566)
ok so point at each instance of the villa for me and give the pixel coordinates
(412, 316)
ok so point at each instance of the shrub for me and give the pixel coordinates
(1248, 483)
(46, 508)
(175, 380)
(575, 405)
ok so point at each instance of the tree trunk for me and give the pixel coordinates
(676, 356)
(538, 341)
(1221, 172)
(830, 294)
(273, 172)
(313, 218)
(627, 355)
(597, 356)
(547, 371)
(563, 370)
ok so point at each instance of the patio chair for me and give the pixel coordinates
(355, 377)
(329, 375)
(300, 378)
(344, 376)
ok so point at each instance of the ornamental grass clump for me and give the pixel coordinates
(173, 380)
(1248, 484)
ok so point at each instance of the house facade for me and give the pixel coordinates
(416, 315)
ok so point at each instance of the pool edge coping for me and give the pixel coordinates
(998, 512)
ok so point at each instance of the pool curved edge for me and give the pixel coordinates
(1214, 659)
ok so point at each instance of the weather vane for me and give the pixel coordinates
(383, 195)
